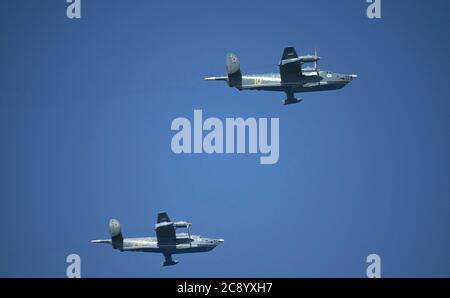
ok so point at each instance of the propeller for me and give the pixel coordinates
(189, 233)
(316, 63)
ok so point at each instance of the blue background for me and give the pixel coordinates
(85, 113)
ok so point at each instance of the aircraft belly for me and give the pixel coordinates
(143, 249)
(266, 87)
(151, 249)
(192, 249)
(319, 87)
(296, 88)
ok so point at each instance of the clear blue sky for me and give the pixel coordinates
(85, 113)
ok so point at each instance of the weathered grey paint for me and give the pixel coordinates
(167, 241)
(292, 78)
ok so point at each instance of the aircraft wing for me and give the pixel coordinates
(290, 65)
(165, 230)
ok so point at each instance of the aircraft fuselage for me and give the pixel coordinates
(308, 82)
(183, 244)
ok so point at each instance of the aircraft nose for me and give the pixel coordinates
(221, 240)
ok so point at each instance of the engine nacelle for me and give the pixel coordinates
(301, 59)
(182, 224)
(309, 58)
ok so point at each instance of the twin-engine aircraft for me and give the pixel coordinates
(166, 241)
(292, 77)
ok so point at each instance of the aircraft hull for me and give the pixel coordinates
(150, 245)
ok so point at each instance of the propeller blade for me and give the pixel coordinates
(317, 62)
(189, 233)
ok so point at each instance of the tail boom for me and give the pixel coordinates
(107, 241)
(216, 79)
